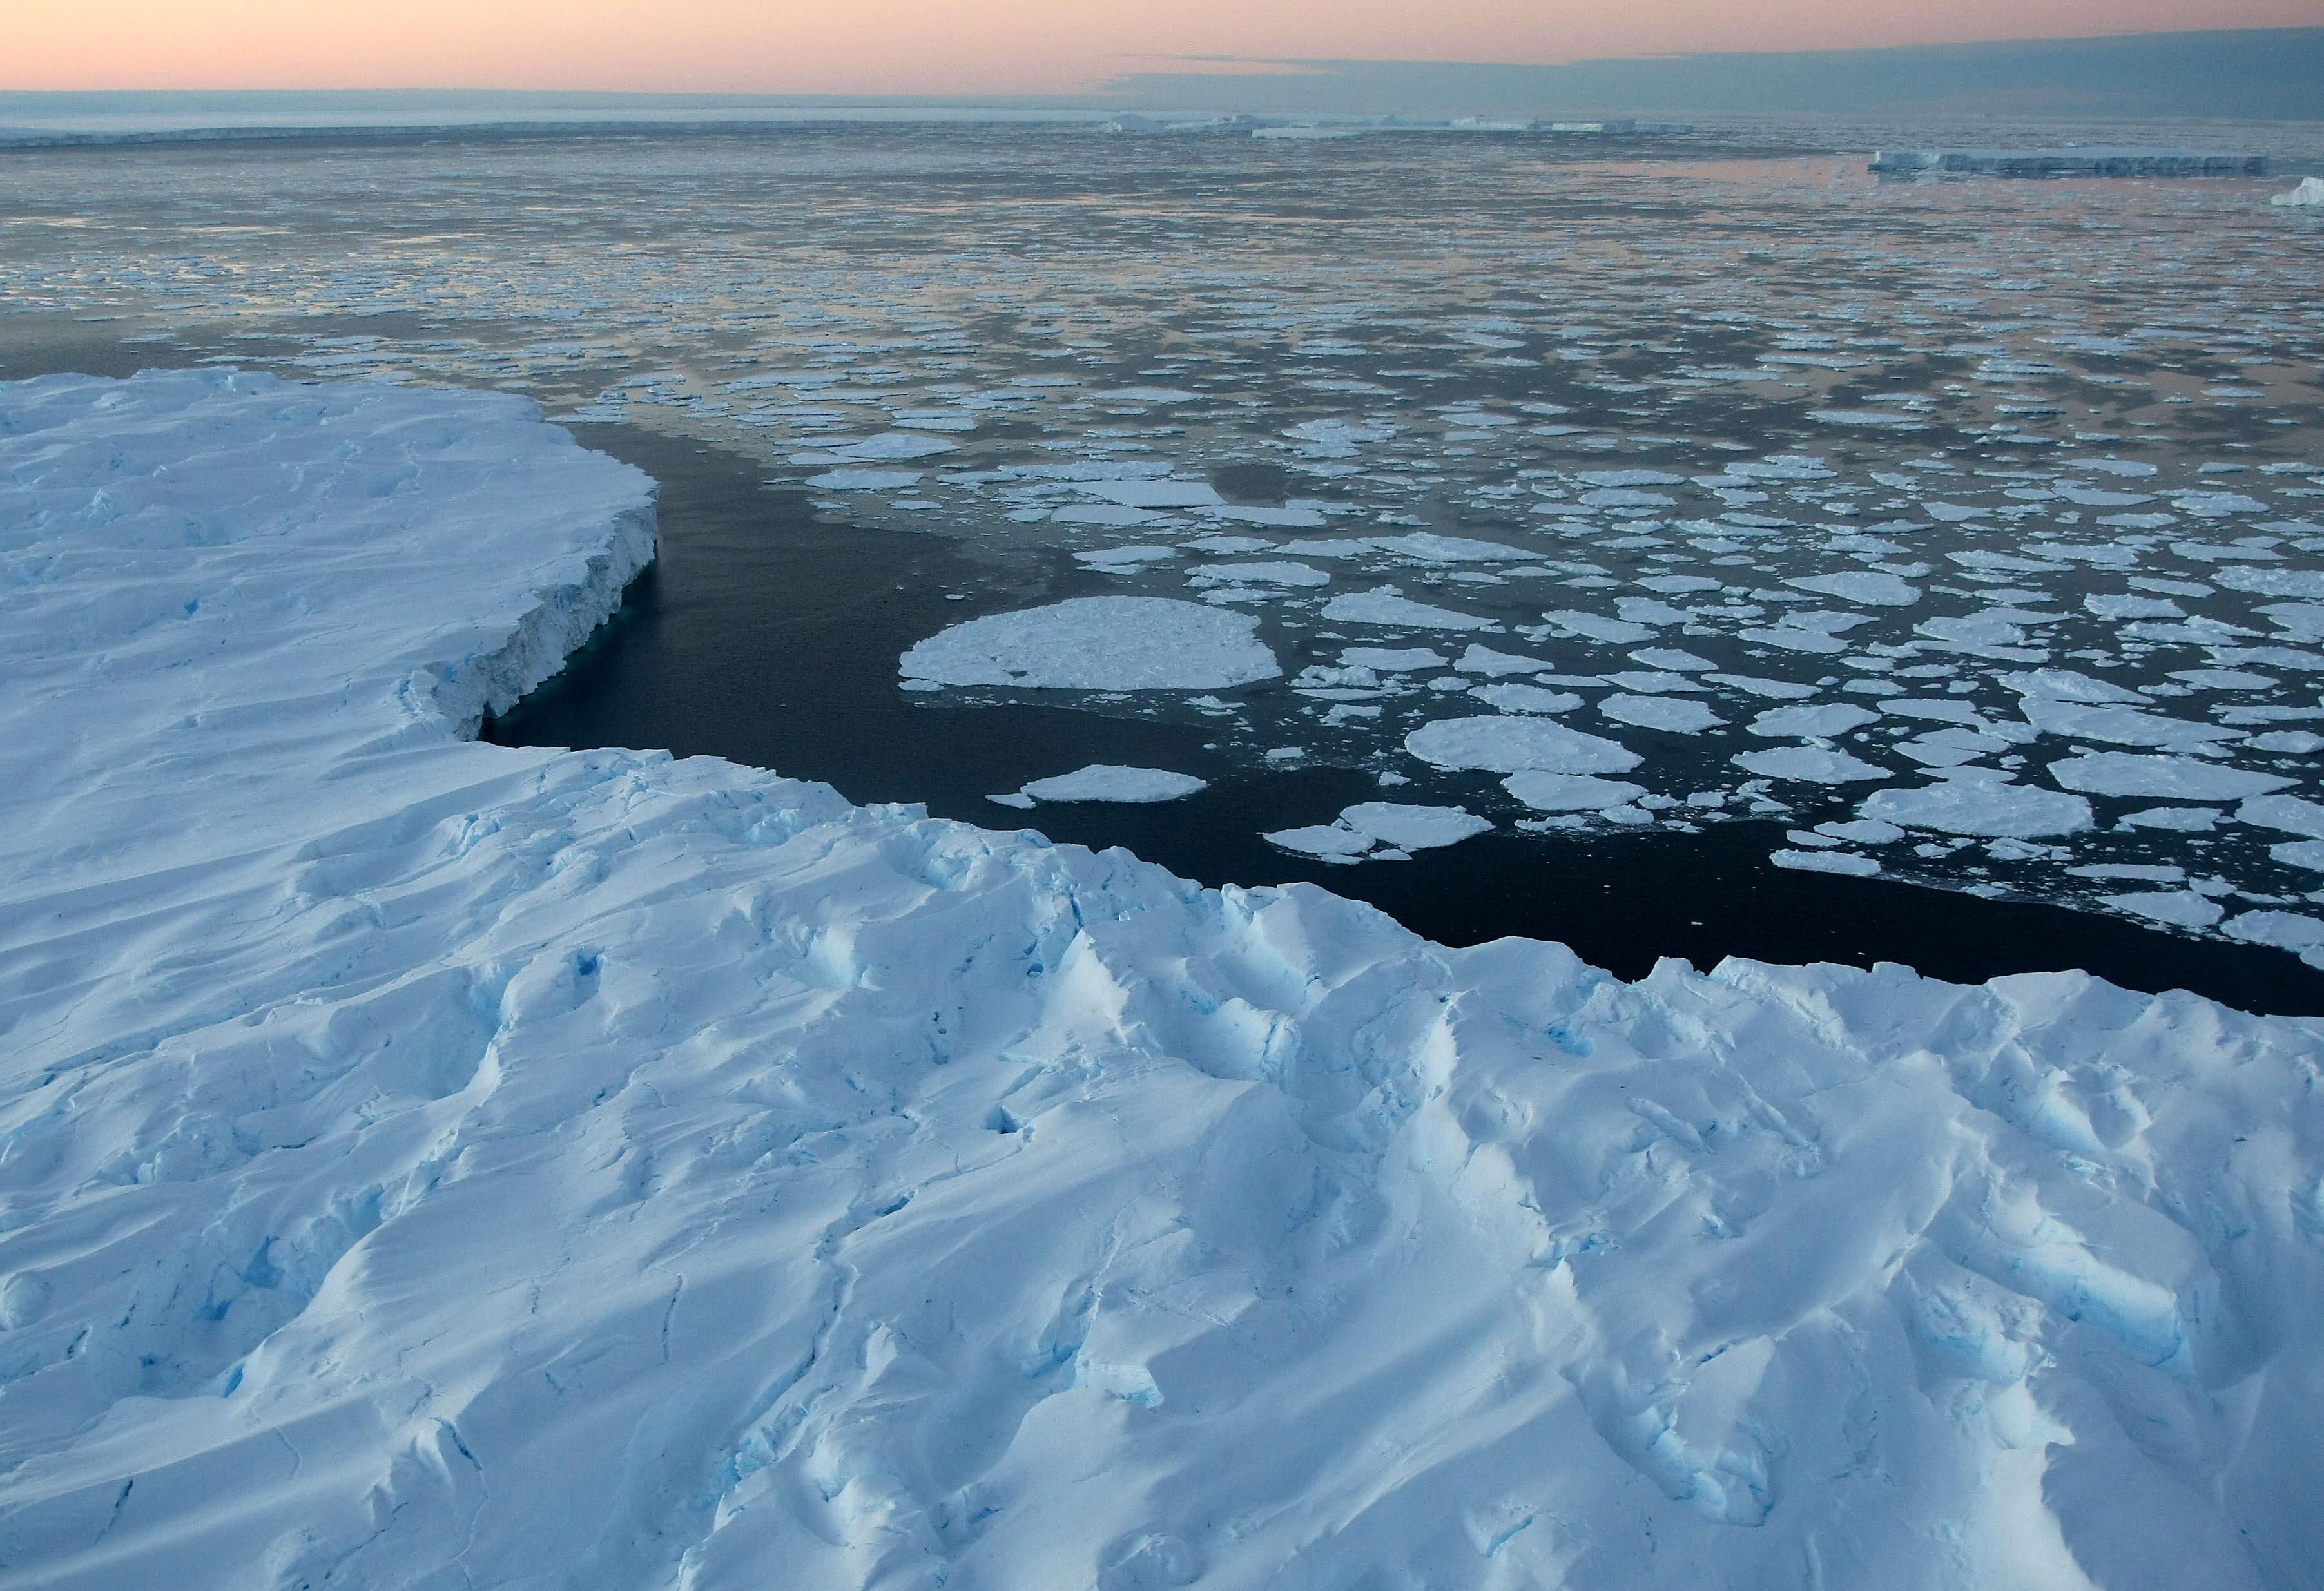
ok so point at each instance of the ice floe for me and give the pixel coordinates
(1102, 781)
(1514, 745)
(1985, 806)
(1098, 644)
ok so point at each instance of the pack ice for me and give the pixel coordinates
(425, 1165)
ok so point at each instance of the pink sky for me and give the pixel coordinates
(919, 47)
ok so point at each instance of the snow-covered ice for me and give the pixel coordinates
(1382, 831)
(2184, 778)
(2310, 192)
(428, 1163)
(1988, 807)
(1512, 745)
(1102, 781)
(1098, 644)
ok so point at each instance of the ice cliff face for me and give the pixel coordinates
(424, 1163)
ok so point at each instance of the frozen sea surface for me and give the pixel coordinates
(1695, 426)
(428, 1162)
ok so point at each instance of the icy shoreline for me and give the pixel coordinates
(422, 1160)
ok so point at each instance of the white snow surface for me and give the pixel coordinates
(1123, 643)
(427, 1163)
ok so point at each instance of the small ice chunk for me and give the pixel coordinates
(1512, 697)
(2309, 194)
(1867, 586)
(1425, 547)
(1504, 745)
(2285, 930)
(1674, 715)
(1817, 764)
(2182, 779)
(1557, 791)
(1106, 781)
(1987, 807)
(864, 480)
(1265, 572)
(1124, 560)
(1779, 690)
(1819, 723)
(1391, 659)
(1844, 863)
(1386, 607)
(1598, 627)
(1671, 658)
(1098, 644)
(1331, 843)
(1484, 660)
(1153, 494)
(1016, 798)
(1862, 832)
(2185, 820)
(1414, 828)
(2299, 854)
(2292, 814)
(2179, 908)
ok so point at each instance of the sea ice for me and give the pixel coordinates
(1845, 862)
(1987, 807)
(1395, 828)
(1820, 722)
(1512, 745)
(1869, 586)
(1098, 644)
(2294, 815)
(2310, 192)
(2181, 778)
(1386, 607)
(2179, 908)
(1818, 765)
(1102, 781)
(1561, 792)
(1677, 715)
(864, 480)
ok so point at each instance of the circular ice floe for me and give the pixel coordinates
(1985, 807)
(1105, 781)
(1514, 745)
(2127, 773)
(1097, 644)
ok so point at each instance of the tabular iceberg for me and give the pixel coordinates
(427, 1164)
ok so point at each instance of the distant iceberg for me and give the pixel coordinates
(2310, 193)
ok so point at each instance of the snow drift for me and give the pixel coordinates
(424, 1163)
